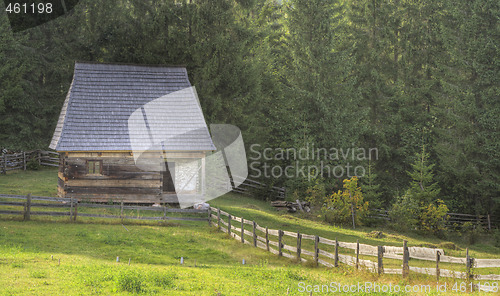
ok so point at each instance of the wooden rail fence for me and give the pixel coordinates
(247, 185)
(72, 209)
(451, 219)
(19, 161)
(261, 237)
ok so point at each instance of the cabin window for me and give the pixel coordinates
(94, 167)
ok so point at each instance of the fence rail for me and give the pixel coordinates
(272, 240)
(74, 207)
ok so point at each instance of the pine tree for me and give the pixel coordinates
(422, 187)
(371, 189)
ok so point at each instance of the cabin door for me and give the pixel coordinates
(168, 178)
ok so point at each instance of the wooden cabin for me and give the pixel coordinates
(94, 135)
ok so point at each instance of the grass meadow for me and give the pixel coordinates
(52, 256)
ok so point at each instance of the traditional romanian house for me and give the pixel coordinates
(116, 123)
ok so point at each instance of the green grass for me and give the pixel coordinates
(30, 253)
(41, 183)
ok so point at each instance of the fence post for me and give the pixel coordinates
(229, 225)
(218, 219)
(39, 158)
(489, 223)
(242, 231)
(4, 167)
(280, 235)
(406, 258)
(438, 258)
(469, 264)
(336, 258)
(121, 211)
(70, 209)
(27, 209)
(357, 254)
(316, 249)
(380, 255)
(209, 216)
(299, 242)
(267, 238)
(75, 213)
(24, 160)
(254, 234)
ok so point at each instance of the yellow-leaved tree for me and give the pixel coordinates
(347, 205)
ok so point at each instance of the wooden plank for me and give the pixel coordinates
(113, 190)
(259, 228)
(273, 232)
(484, 263)
(345, 245)
(306, 252)
(326, 254)
(223, 222)
(49, 213)
(289, 248)
(11, 203)
(326, 241)
(248, 222)
(327, 264)
(11, 212)
(393, 271)
(49, 164)
(308, 236)
(346, 259)
(143, 218)
(290, 234)
(392, 249)
(488, 277)
(33, 197)
(276, 244)
(113, 183)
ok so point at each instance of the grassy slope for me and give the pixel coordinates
(88, 253)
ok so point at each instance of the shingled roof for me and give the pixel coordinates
(102, 97)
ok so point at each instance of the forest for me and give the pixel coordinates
(419, 81)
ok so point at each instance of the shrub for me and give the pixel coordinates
(404, 213)
(315, 195)
(130, 281)
(496, 237)
(433, 217)
(164, 280)
(471, 232)
(33, 165)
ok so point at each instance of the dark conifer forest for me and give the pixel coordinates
(417, 80)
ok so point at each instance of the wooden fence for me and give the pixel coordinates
(73, 209)
(19, 161)
(451, 219)
(326, 251)
(248, 186)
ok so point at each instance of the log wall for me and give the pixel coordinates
(121, 179)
